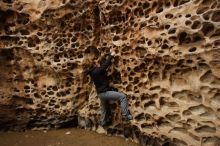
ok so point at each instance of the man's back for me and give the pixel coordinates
(99, 76)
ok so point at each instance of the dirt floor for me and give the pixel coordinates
(62, 137)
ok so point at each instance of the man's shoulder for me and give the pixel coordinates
(98, 71)
(95, 70)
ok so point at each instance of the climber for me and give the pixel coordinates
(106, 93)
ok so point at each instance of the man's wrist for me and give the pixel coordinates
(112, 53)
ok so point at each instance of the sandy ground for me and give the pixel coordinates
(62, 137)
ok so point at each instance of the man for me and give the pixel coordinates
(98, 74)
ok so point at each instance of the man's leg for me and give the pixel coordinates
(104, 110)
(113, 95)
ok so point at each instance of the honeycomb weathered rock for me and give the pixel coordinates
(168, 64)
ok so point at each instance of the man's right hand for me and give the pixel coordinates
(113, 53)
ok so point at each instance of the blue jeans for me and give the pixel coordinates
(115, 96)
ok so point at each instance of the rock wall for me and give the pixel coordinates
(167, 62)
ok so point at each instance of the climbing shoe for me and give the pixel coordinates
(128, 117)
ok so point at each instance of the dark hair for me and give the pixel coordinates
(87, 71)
(87, 68)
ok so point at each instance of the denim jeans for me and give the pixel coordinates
(115, 96)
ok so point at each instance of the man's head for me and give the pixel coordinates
(89, 64)
(96, 63)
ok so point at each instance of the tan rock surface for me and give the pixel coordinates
(167, 62)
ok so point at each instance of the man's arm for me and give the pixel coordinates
(106, 64)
